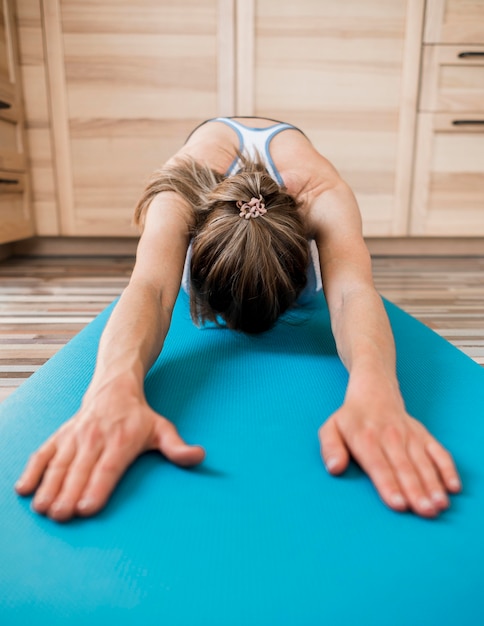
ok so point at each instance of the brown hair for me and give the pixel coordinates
(245, 271)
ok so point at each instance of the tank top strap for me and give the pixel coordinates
(255, 142)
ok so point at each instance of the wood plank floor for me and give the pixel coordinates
(45, 301)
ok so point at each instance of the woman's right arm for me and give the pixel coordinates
(75, 471)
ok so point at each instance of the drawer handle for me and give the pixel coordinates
(467, 122)
(466, 55)
(9, 181)
(5, 105)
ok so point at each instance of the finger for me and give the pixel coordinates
(30, 478)
(75, 481)
(54, 477)
(167, 440)
(375, 463)
(333, 449)
(445, 465)
(104, 477)
(429, 476)
(407, 475)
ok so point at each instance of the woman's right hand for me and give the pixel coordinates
(75, 471)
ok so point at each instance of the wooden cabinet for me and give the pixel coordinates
(347, 74)
(15, 218)
(454, 22)
(448, 196)
(125, 83)
(113, 88)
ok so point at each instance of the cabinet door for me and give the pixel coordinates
(346, 73)
(454, 21)
(128, 81)
(12, 154)
(448, 196)
(452, 78)
(15, 217)
(449, 176)
(38, 117)
(7, 87)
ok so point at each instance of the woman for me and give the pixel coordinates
(243, 197)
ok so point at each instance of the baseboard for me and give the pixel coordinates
(426, 246)
(126, 246)
(5, 251)
(76, 246)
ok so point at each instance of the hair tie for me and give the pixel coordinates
(254, 208)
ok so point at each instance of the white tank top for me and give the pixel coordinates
(255, 141)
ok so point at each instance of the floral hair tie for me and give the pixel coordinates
(254, 208)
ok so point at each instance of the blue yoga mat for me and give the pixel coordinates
(259, 534)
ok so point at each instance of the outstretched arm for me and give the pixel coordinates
(409, 468)
(77, 468)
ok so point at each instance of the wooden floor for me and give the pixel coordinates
(46, 301)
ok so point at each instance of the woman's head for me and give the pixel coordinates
(249, 249)
(247, 271)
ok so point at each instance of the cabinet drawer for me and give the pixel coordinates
(452, 78)
(11, 149)
(449, 176)
(4, 51)
(7, 56)
(454, 21)
(8, 106)
(15, 221)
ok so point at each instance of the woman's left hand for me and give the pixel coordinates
(408, 467)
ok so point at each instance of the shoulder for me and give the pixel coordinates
(214, 144)
(305, 171)
(309, 176)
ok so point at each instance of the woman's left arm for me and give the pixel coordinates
(408, 467)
